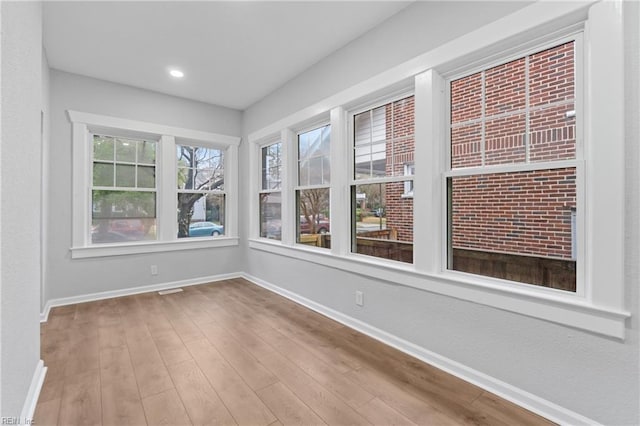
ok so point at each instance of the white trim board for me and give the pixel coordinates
(91, 297)
(504, 390)
(29, 408)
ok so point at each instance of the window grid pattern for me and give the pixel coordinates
(120, 163)
(383, 147)
(519, 112)
(270, 196)
(123, 190)
(503, 223)
(312, 193)
(200, 191)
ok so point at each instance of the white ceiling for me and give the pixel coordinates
(232, 53)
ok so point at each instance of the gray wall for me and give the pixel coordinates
(411, 32)
(591, 375)
(67, 277)
(20, 191)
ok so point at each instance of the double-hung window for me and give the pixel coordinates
(201, 196)
(312, 192)
(142, 187)
(513, 180)
(123, 190)
(270, 204)
(382, 213)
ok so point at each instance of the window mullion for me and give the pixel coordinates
(289, 179)
(430, 122)
(166, 185)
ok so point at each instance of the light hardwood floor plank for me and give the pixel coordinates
(121, 403)
(287, 407)
(47, 412)
(247, 366)
(352, 393)
(323, 402)
(379, 413)
(201, 401)
(81, 401)
(150, 371)
(165, 408)
(401, 398)
(243, 404)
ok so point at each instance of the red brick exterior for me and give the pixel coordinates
(520, 212)
(399, 152)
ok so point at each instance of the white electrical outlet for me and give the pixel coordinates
(359, 298)
(154, 269)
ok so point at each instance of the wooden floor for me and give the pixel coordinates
(233, 353)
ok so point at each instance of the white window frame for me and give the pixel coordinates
(300, 187)
(577, 162)
(280, 190)
(204, 192)
(600, 306)
(84, 125)
(353, 182)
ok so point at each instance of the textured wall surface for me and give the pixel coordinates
(21, 213)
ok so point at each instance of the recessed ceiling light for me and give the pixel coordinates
(176, 73)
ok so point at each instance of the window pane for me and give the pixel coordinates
(383, 140)
(314, 156)
(270, 215)
(516, 226)
(146, 177)
(199, 168)
(552, 75)
(552, 133)
(271, 166)
(313, 224)
(504, 140)
(103, 148)
(119, 216)
(505, 88)
(125, 176)
(204, 179)
(490, 111)
(466, 99)
(103, 174)
(125, 150)
(466, 149)
(200, 215)
(185, 177)
(146, 152)
(382, 221)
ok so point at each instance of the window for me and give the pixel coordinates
(383, 148)
(312, 192)
(130, 179)
(123, 191)
(512, 184)
(200, 191)
(513, 187)
(271, 192)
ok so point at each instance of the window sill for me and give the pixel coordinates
(546, 304)
(105, 250)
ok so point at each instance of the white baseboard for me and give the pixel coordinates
(44, 316)
(29, 408)
(511, 393)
